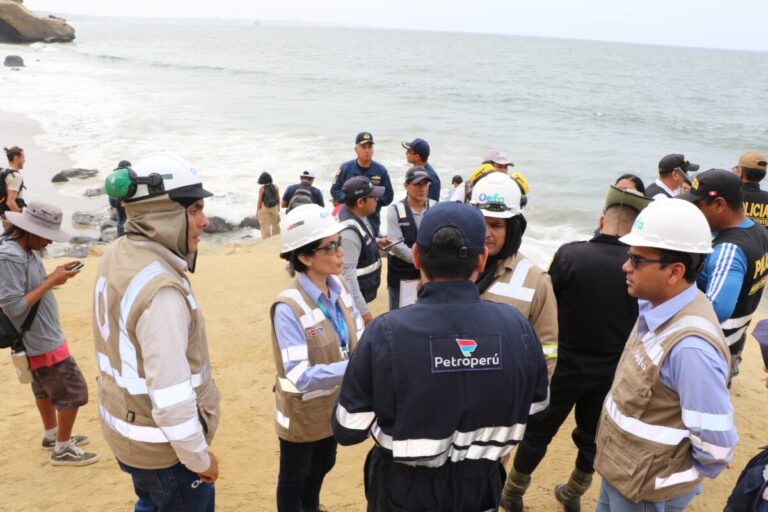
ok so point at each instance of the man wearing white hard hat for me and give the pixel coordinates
(158, 403)
(509, 277)
(667, 421)
(314, 327)
(27, 300)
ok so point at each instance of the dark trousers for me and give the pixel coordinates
(586, 393)
(467, 486)
(170, 489)
(303, 467)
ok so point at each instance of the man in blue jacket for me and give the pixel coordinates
(445, 386)
(364, 165)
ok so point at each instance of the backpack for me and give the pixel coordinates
(3, 192)
(270, 198)
(750, 494)
(302, 195)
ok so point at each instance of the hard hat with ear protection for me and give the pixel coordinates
(153, 176)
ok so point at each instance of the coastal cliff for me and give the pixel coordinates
(19, 25)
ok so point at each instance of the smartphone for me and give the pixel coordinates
(76, 266)
(392, 244)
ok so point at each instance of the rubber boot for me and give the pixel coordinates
(514, 488)
(569, 494)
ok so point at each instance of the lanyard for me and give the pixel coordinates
(338, 323)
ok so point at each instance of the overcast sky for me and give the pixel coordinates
(734, 24)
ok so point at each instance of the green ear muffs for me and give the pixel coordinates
(123, 182)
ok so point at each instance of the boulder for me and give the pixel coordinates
(108, 235)
(66, 174)
(19, 25)
(89, 218)
(93, 192)
(13, 61)
(77, 251)
(217, 225)
(109, 222)
(250, 222)
(82, 240)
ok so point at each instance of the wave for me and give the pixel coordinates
(170, 65)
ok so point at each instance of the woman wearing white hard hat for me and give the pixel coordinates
(314, 326)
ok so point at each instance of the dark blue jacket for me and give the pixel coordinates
(369, 262)
(317, 195)
(434, 187)
(378, 175)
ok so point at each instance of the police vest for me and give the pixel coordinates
(653, 190)
(754, 242)
(128, 279)
(643, 446)
(302, 417)
(755, 203)
(369, 263)
(398, 269)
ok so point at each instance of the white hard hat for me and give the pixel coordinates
(305, 224)
(166, 173)
(671, 224)
(497, 195)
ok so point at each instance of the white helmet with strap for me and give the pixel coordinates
(671, 224)
(305, 224)
(162, 173)
(497, 195)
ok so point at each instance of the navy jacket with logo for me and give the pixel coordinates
(448, 379)
(378, 175)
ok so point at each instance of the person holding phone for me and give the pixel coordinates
(25, 288)
(403, 221)
(314, 327)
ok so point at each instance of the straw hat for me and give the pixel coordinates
(41, 219)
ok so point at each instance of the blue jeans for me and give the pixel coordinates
(611, 500)
(170, 490)
(394, 298)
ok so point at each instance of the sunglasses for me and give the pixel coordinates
(332, 248)
(636, 260)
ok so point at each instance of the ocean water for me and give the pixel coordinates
(237, 99)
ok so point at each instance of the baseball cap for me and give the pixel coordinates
(753, 160)
(626, 197)
(364, 138)
(676, 161)
(418, 146)
(417, 174)
(498, 157)
(308, 173)
(714, 183)
(359, 187)
(464, 218)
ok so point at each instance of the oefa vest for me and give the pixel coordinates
(754, 242)
(520, 283)
(302, 417)
(643, 446)
(136, 274)
(398, 269)
(369, 263)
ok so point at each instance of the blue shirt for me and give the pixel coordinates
(377, 173)
(697, 372)
(290, 333)
(723, 275)
(434, 187)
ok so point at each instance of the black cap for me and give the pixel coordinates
(418, 146)
(466, 219)
(364, 138)
(417, 174)
(457, 179)
(714, 183)
(359, 187)
(675, 161)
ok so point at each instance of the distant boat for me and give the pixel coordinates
(256, 23)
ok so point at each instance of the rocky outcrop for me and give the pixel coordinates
(217, 225)
(66, 174)
(13, 61)
(19, 25)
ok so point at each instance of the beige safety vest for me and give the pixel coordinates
(302, 417)
(522, 284)
(643, 446)
(129, 277)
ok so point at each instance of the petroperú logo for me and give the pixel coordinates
(466, 346)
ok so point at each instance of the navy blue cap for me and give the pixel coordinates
(466, 219)
(360, 187)
(364, 138)
(418, 146)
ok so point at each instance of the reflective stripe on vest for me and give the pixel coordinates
(311, 316)
(138, 385)
(655, 433)
(652, 342)
(457, 447)
(515, 289)
(369, 269)
(283, 420)
(689, 475)
(354, 420)
(537, 407)
(150, 434)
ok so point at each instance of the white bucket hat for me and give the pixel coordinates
(41, 219)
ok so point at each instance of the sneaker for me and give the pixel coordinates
(50, 444)
(569, 504)
(73, 456)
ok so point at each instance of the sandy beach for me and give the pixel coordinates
(235, 286)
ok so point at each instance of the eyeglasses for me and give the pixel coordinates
(332, 248)
(636, 260)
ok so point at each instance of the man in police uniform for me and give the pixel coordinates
(667, 421)
(673, 176)
(364, 165)
(735, 274)
(158, 405)
(588, 281)
(751, 169)
(509, 277)
(445, 386)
